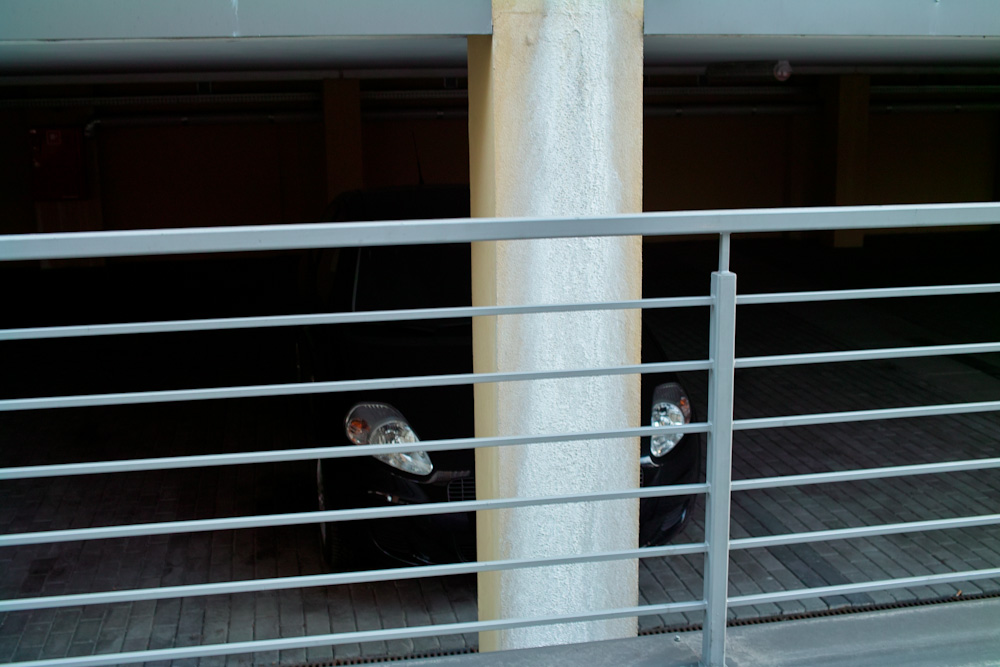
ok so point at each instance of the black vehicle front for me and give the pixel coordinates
(428, 276)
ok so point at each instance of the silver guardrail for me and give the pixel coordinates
(720, 424)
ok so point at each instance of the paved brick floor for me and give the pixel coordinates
(836, 387)
(240, 425)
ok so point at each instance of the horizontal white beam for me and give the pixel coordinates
(819, 32)
(836, 53)
(122, 59)
(348, 234)
(854, 18)
(50, 20)
(129, 37)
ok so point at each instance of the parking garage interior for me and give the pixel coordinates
(147, 153)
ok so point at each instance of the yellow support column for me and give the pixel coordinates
(555, 126)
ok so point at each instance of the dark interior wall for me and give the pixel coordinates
(731, 162)
(170, 176)
(393, 149)
(774, 161)
(17, 208)
(921, 158)
(178, 176)
(258, 173)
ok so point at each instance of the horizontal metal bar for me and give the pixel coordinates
(865, 415)
(863, 531)
(388, 634)
(348, 234)
(349, 451)
(935, 107)
(947, 91)
(200, 118)
(341, 578)
(863, 474)
(658, 110)
(228, 99)
(360, 514)
(298, 388)
(866, 355)
(218, 324)
(877, 293)
(864, 587)
(69, 78)
(720, 91)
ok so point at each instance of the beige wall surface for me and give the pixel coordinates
(556, 129)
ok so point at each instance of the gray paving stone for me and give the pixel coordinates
(35, 634)
(12, 625)
(8, 646)
(24, 653)
(65, 620)
(191, 627)
(437, 602)
(241, 660)
(56, 645)
(80, 649)
(266, 627)
(87, 631)
(110, 643)
(416, 614)
(192, 662)
(266, 604)
(142, 608)
(163, 636)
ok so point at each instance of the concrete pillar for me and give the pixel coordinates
(556, 129)
(342, 134)
(847, 125)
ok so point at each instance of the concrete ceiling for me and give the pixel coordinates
(128, 36)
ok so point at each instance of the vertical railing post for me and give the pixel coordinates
(722, 350)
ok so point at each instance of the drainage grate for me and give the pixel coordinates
(840, 611)
(379, 659)
(694, 627)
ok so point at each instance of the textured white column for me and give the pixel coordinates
(557, 130)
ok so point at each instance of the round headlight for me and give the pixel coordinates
(670, 408)
(382, 424)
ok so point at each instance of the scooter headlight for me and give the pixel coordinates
(382, 424)
(671, 407)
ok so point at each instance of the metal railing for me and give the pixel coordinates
(720, 424)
